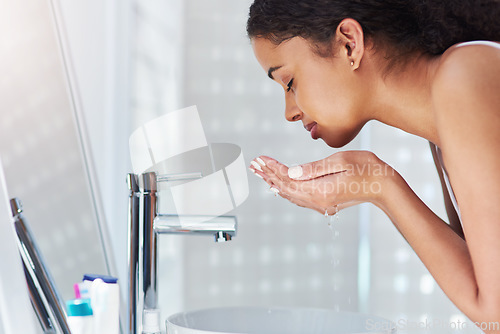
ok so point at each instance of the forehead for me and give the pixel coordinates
(269, 54)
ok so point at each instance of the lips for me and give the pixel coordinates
(309, 126)
(314, 132)
(313, 128)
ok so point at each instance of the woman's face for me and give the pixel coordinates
(324, 93)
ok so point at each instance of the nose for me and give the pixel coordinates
(292, 111)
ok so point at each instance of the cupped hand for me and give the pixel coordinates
(341, 180)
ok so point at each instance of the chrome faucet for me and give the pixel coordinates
(45, 298)
(142, 248)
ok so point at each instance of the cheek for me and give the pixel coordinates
(344, 123)
(328, 107)
(313, 98)
(336, 110)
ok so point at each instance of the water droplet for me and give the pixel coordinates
(333, 224)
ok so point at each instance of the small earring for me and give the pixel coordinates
(352, 62)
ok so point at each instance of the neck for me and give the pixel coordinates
(403, 98)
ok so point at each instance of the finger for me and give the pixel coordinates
(278, 175)
(348, 204)
(275, 181)
(336, 208)
(331, 210)
(274, 174)
(261, 175)
(315, 169)
(259, 167)
(299, 202)
(273, 170)
(267, 164)
(302, 191)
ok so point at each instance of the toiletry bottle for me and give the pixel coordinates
(82, 290)
(80, 319)
(105, 301)
(151, 321)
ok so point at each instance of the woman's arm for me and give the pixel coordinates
(351, 177)
(466, 97)
(359, 176)
(445, 254)
(453, 219)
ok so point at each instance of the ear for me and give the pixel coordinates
(352, 45)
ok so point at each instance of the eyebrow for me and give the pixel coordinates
(271, 70)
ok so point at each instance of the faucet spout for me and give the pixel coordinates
(152, 224)
(195, 224)
(222, 237)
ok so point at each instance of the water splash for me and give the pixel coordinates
(332, 221)
(333, 218)
(333, 225)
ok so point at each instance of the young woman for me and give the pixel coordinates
(430, 68)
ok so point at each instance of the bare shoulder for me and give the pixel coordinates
(472, 62)
(466, 106)
(468, 74)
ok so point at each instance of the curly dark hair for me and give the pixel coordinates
(405, 26)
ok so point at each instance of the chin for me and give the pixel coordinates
(336, 143)
(341, 138)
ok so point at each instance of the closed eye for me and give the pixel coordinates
(289, 85)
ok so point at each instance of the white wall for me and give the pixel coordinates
(157, 67)
(96, 36)
(127, 63)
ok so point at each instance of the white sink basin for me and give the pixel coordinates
(261, 320)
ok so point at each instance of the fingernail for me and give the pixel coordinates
(260, 161)
(255, 173)
(275, 191)
(295, 172)
(256, 165)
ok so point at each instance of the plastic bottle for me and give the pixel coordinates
(105, 301)
(80, 316)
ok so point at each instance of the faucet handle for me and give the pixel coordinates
(179, 177)
(16, 206)
(133, 183)
(149, 182)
